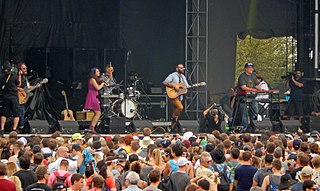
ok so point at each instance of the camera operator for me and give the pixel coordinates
(295, 83)
(211, 119)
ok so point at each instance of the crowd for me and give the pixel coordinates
(190, 162)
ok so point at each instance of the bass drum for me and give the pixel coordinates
(126, 108)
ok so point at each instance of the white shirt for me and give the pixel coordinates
(72, 169)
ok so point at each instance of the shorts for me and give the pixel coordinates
(295, 108)
(11, 106)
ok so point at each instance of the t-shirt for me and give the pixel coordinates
(180, 180)
(38, 187)
(249, 80)
(244, 175)
(151, 188)
(297, 186)
(27, 177)
(10, 87)
(296, 92)
(7, 185)
(260, 174)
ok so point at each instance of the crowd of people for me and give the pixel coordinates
(190, 162)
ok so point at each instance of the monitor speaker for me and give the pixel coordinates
(290, 125)
(68, 127)
(39, 127)
(190, 125)
(314, 123)
(137, 126)
(117, 125)
(262, 126)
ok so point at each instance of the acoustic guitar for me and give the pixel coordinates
(26, 93)
(183, 89)
(67, 114)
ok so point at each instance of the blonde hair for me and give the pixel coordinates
(17, 182)
(12, 168)
(156, 155)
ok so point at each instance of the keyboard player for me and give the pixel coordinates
(247, 82)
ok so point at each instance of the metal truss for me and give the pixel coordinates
(196, 55)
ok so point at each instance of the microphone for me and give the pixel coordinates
(33, 71)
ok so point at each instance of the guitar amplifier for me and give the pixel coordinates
(68, 127)
(84, 115)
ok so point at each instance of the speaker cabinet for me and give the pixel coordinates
(290, 125)
(68, 127)
(39, 127)
(262, 126)
(314, 123)
(117, 125)
(190, 125)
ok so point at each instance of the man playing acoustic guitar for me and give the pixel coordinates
(24, 83)
(174, 81)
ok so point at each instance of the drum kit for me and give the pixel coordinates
(123, 104)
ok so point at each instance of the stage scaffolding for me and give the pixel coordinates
(196, 55)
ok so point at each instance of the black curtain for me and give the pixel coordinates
(57, 23)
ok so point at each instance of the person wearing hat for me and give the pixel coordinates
(302, 161)
(306, 174)
(59, 187)
(286, 182)
(180, 179)
(247, 82)
(220, 167)
(76, 138)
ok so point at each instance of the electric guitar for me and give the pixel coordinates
(67, 114)
(26, 93)
(183, 89)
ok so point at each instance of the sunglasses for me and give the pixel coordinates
(208, 161)
(313, 188)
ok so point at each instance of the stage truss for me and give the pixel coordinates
(196, 55)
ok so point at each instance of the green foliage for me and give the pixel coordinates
(271, 57)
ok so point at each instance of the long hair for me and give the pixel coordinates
(12, 168)
(93, 75)
(156, 155)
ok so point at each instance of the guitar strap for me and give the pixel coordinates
(4, 85)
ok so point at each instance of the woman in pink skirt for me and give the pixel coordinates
(92, 102)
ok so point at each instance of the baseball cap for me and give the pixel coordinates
(248, 64)
(296, 143)
(306, 171)
(293, 155)
(165, 143)
(182, 161)
(58, 185)
(122, 156)
(23, 140)
(76, 136)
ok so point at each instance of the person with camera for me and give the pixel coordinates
(295, 83)
(211, 119)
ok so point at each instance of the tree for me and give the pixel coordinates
(271, 57)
